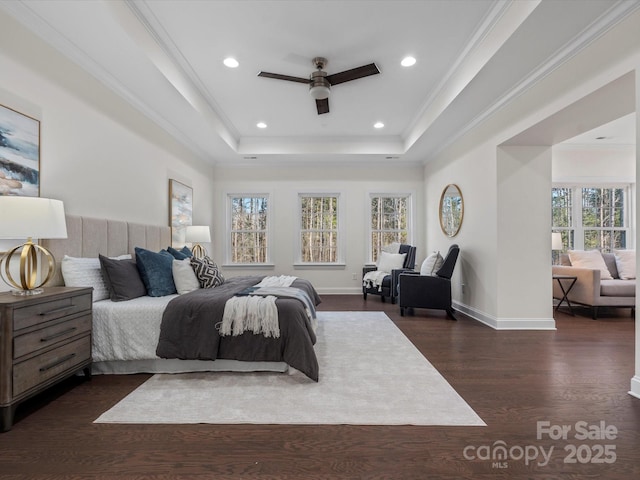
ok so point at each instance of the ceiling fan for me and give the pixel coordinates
(320, 83)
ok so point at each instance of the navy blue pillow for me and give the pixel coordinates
(156, 271)
(181, 254)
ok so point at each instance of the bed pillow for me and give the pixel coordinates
(431, 264)
(207, 272)
(181, 254)
(85, 272)
(391, 261)
(156, 271)
(122, 278)
(590, 259)
(184, 277)
(626, 263)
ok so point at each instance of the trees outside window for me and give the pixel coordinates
(591, 217)
(319, 232)
(389, 221)
(249, 229)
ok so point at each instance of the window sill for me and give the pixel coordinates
(320, 266)
(269, 266)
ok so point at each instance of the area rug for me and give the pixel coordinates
(370, 374)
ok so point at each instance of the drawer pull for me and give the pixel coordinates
(59, 334)
(59, 362)
(56, 310)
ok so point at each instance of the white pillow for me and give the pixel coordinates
(590, 259)
(86, 272)
(626, 263)
(184, 277)
(393, 247)
(390, 261)
(431, 264)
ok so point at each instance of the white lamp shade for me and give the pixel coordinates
(197, 234)
(556, 241)
(31, 217)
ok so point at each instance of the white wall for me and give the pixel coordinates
(490, 249)
(635, 381)
(98, 155)
(475, 173)
(580, 164)
(354, 184)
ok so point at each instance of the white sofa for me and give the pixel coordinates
(591, 290)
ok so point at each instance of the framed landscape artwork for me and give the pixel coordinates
(180, 211)
(19, 154)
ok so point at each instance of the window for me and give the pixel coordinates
(319, 233)
(591, 217)
(390, 220)
(249, 233)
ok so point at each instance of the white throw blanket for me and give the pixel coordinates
(257, 312)
(374, 279)
(277, 281)
(253, 313)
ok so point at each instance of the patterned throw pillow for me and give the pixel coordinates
(207, 272)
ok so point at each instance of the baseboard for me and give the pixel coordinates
(340, 291)
(505, 323)
(635, 387)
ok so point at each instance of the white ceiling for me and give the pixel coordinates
(165, 58)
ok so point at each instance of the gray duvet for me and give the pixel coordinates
(189, 329)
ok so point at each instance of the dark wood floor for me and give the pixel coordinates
(512, 379)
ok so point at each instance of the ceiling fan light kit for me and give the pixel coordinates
(320, 83)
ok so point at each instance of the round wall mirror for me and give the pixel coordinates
(451, 210)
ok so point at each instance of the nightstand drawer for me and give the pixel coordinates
(51, 335)
(42, 312)
(37, 370)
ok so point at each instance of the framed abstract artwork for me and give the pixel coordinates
(180, 211)
(19, 154)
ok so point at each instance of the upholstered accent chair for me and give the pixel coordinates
(427, 291)
(389, 284)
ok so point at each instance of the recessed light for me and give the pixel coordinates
(261, 125)
(378, 125)
(231, 62)
(408, 61)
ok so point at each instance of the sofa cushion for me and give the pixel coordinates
(618, 288)
(590, 259)
(610, 262)
(626, 263)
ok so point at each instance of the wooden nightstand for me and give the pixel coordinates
(44, 338)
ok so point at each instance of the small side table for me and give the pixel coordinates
(566, 287)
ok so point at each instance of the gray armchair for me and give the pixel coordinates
(426, 291)
(389, 287)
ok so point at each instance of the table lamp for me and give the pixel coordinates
(29, 217)
(197, 234)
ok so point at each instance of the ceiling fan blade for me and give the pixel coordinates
(353, 74)
(289, 78)
(322, 106)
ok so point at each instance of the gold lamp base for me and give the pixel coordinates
(198, 250)
(28, 268)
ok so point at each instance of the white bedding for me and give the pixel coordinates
(127, 330)
(125, 336)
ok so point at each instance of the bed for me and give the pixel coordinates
(181, 333)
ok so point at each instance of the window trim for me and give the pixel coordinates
(410, 196)
(340, 246)
(577, 226)
(229, 217)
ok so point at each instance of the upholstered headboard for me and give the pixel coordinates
(88, 237)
